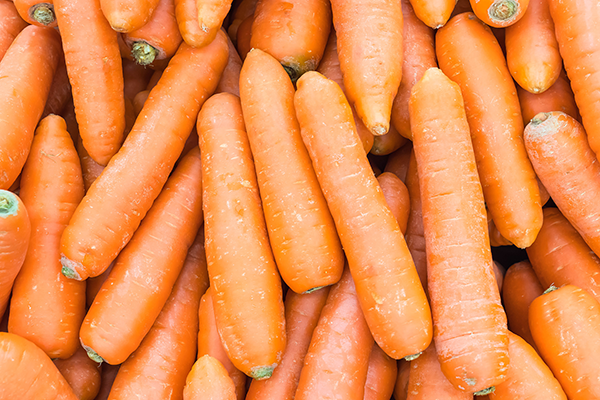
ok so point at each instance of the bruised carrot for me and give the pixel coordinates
(210, 15)
(381, 375)
(60, 91)
(81, 373)
(401, 388)
(415, 232)
(243, 37)
(208, 380)
(499, 13)
(10, 25)
(135, 78)
(387, 283)
(99, 228)
(396, 197)
(128, 15)
(230, 79)
(388, 143)
(398, 162)
(245, 9)
(46, 307)
(109, 372)
(434, 13)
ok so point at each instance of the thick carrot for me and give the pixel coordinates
(81, 373)
(302, 314)
(208, 380)
(381, 375)
(329, 373)
(396, 197)
(470, 334)
(469, 54)
(230, 79)
(387, 282)
(434, 13)
(16, 228)
(499, 13)
(563, 160)
(128, 15)
(135, 78)
(118, 200)
(136, 290)
(243, 37)
(60, 91)
(94, 68)
(158, 368)
(251, 322)
(415, 232)
(563, 322)
(245, 9)
(401, 388)
(10, 25)
(27, 70)
(370, 49)
(46, 307)
(109, 373)
(301, 230)
(398, 162)
(37, 12)
(26, 372)
(210, 15)
(388, 143)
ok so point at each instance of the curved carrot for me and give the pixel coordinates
(398, 162)
(210, 16)
(415, 232)
(434, 13)
(562, 322)
(329, 373)
(396, 197)
(302, 315)
(132, 297)
(499, 13)
(26, 372)
(60, 91)
(251, 322)
(230, 79)
(10, 25)
(81, 373)
(471, 335)
(128, 15)
(563, 160)
(208, 380)
(401, 388)
(381, 375)
(46, 307)
(27, 70)
(118, 200)
(387, 283)
(388, 143)
(135, 78)
(243, 37)
(301, 230)
(469, 54)
(109, 372)
(94, 68)
(37, 12)
(159, 366)
(245, 9)
(369, 34)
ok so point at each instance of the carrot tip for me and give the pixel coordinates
(143, 53)
(552, 288)
(503, 10)
(9, 204)
(42, 13)
(314, 289)
(539, 118)
(379, 130)
(485, 392)
(259, 373)
(413, 356)
(68, 268)
(92, 354)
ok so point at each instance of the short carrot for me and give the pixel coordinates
(434, 13)
(499, 13)
(37, 12)
(471, 336)
(244, 36)
(10, 26)
(401, 388)
(99, 228)
(415, 232)
(135, 78)
(230, 79)
(388, 143)
(210, 15)
(387, 282)
(81, 373)
(396, 197)
(60, 91)
(208, 380)
(381, 375)
(128, 15)
(244, 9)
(398, 162)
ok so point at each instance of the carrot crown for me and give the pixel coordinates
(9, 205)
(43, 13)
(503, 10)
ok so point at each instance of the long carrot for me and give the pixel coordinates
(563, 322)
(10, 25)
(251, 322)
(434, 13)
(302, 315)
(396, 197)
(208, 380)
(401, 388)
(470, 334)
(94, 68)
(381, 375)
(469, 54)
(398, 162)
(46, 307)
(230, 79)
(499, 13)
(370, 50)
(118, 200)
(136, 290)
(415, 232)
(37, 12)
(210, 15)
(388, 143)
(81, 373)
(387, 283)
(27, 70)
(563, 160)
(128, 15)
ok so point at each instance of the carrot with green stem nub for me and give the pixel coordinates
(37, 12)
(470, 333)
(208, 380)
(434, 13)
(210, 15)
(499, 13)
(301, 230)
(387, 283)
(114, 206)
(81, 373)
(396, 197)
(10, 26)
(381, 375)
(251, 322)
(415, 232)
(128, 15)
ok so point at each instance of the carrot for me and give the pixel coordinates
(135, 78)
(99, 228)
(381, 375)
(210, 15)
(93, 286)
(94, 68)
(370, 50)
(499, 13)
(156, 75)
(208, 380)
(434, 13)
(566, 165)
(301, 230)
(81, 373)
(47, 308)
(562, 322)
(27, 70)
(245, 9)
(26, 372)
(91, 170)
(401, 388)
(128, 15)
(187, 14)
(329, 373)
(139, 100)
(243, 37)
(397, 163)
(36, 12)
(387, 282)
(16, 228)
(109, 372)
(388, 143)
(60, 91)
(159, 366)
(499, 272)
(132, 297)
(230, 79)
(302, 314)
(469, 54)
(496, 238)
(396, 197)
(11, 24)
(471, 335)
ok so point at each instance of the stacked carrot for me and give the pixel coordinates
(277, 199)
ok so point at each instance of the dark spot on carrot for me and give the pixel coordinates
(292, 72)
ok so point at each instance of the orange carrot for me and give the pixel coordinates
(496, 238)
(208, 380)
(398, 162)
(99, 228)
(10, 26)
(128, 15)
(81, 373)
(434, 13)
(187, 16)
(37, 12)
(499, 13)
(388, 143)
(499, 272)
(387, 283)
(210, 15)
(60, 91)
(381, 375)
(401, 388)
(245, 9)
(415, 232)
(156, 75)
(93, 286)
(396, 197)
(139, 100)
(135, 78)
(230, 79)
(90, 169)
(243, 37)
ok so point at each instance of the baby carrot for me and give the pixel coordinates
(37, 12)
(396, 197)
(230, 79)
(10, 25)
(208, 380)
(397, 163)
(499, 13)
(381, 375)
(128, 15)
(401, 388)
(415, 232)
(81, 373)
(434, 13)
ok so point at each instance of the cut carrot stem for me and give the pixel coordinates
(499, 13)
(36, 12)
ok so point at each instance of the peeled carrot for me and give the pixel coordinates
(128, 15)
(563, 160)
(388, 143)
(243, 37)
(398, 162)
(208, 380)
(469, 54)
(60, 91)
(387, 283)
(46, 307)
(27, 70)
(415, 232)
(99, 228)
(434, 13)
(210, 15)
(81, 373)
(562, 323)
(471, 336)
(230, 79)
(396, 197)
(10, 25)
(401, 388)
(244, 9)
(499, 13)
(381, 375)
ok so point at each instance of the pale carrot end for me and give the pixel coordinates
(259, 373)
(550, 125)
(42, 13)
(8, 204)
(413, 356)
(92, 354)
(69, 268)
(143, 53)
(485, 392)
(503, 10)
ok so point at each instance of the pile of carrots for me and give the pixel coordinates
(298, 199)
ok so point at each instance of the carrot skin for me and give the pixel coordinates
(109, 373)
(128, 15)
(60, 91)
(388, 143)
(244, 36)
(210, 15)
(81, 373)
(208, 380)
(244, 9)
(396, 197)
(381, 375)
(10, 25)
(135, 78)
(398, 162)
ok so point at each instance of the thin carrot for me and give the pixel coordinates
(230, 79)
(37, 12)
(60, 91)
(128, 15)
(10, 26)
(210, 15)
(563, 160)
(387, 282)
(469, 54)
(208, 380)
(562, 323)
(244, 36)
(415, 232)
(370, 49)
(81, 373)
(245, 9)
(471, 336)
(132, 297)
(381, 375)
(46, 307)
(396, 197)
(118, 200)
(398, 162)
(499, 272)
(135, 78)
(109, 372)
(434, 13)
(499, 13)
(388, 143)
(401, 388)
